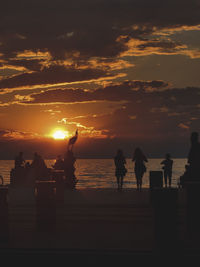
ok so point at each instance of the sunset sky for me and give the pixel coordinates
(125, 73)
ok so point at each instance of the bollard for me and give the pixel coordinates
(155, 179)
(58, 176)
(164, 202)
(4, 219)
(192, 214)
(45, 206)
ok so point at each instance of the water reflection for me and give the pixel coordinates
(93, 173)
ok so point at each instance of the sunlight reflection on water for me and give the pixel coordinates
(100, 173)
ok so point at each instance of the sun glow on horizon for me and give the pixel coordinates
(60, 134)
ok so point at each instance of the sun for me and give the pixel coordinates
(60, 134)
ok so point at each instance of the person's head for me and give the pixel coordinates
(138, 152)
(194, 137)
(119, 152)
(36, 155)
(187, 167)
(167, 156)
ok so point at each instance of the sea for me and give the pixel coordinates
(100, 173)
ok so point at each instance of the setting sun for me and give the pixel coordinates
(60, 134)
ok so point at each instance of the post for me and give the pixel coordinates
(193, 214)
(164, 202)
(58, 176)
(4, 219)
(46, 206)
(155, 179)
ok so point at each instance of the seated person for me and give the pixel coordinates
(59, 164)
(19, 161)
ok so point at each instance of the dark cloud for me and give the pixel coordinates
(91, 28)
(102, 31)
(34, 64)
(150, 115)
(121, 91)
(161, 44)
(51, 75)
(150, 111)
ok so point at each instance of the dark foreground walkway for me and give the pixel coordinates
(97, 224)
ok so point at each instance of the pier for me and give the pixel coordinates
(96, 220)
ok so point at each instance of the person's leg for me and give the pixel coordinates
(165, 178)
(141, 183)
(138, 183)
(118, 182)
(170, 178)
(121, 181)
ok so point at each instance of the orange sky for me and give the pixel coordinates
(128, 71)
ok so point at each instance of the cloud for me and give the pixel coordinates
(116, 92)
(148, 115)
(158, 46)
(93, 30)
(54, 43)
(145, 110)
(14, 134)
(183, 126)
(50, 76)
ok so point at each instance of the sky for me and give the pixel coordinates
(125, 73)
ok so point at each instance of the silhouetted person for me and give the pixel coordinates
(193, 192)
(17, 174)
(27, 165)
(139, 158)
(194, 157)
(120, 170)
(168, 162)
(185, 176)
(59, 164)
(39, 167)
(19, 161)
(69, 169)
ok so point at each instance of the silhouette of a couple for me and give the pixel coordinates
(139, 158)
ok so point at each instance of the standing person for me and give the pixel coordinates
(39, 167)
(120, 171)
(19, 160)
(194, 157)
(139, 158)
(168, 162)
(69, 169)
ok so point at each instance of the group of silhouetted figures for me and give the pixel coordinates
(139, 158)
(192, 169)
(27, 172)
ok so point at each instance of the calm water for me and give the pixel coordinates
(99, 173)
